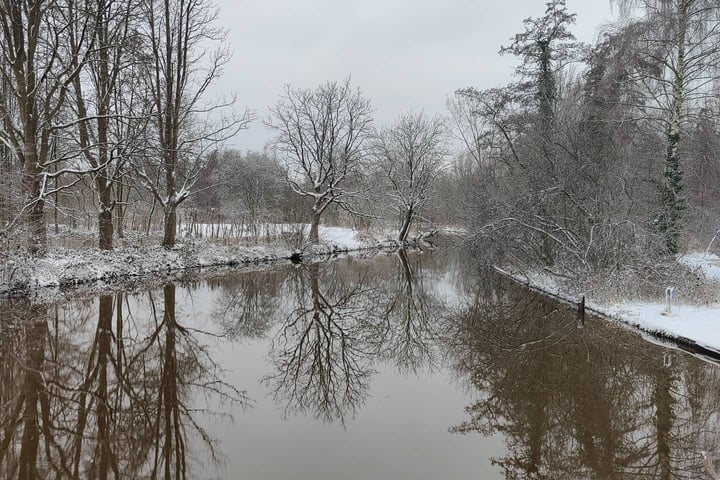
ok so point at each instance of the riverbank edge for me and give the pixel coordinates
(188, 261)
(685, 344)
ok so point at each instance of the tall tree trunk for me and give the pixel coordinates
(170, 225)
(546, 92)
(119, 332)
(103, 178)
(673, 205)
(173, 447)
(314, 270)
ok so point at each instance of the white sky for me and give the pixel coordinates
(404, 54)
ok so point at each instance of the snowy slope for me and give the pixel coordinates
(698, 323)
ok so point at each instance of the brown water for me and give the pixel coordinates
(396, 366)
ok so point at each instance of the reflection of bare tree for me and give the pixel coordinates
(106, 399)
(319, 354)
(94, 396)
(26, 420)
(248, 303)
(412, 317)
(592, 403)
(170, 456)
(178, 368)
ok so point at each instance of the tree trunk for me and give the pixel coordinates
(37, 232)
(119, 331)
(405, 228)
(673, 205)
(35, 217)
(55, 202)
(120, 212)
(103, 180)
(407, 272)
(315, 229)
(173, 446)
(170, 223)
(546, 92)
(106, 229)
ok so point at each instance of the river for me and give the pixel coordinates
(404, 365)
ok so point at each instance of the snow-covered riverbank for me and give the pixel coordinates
(63, 267)
(682, 319)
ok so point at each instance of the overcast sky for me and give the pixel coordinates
(406, 55)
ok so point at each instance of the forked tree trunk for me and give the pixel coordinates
(405, 228)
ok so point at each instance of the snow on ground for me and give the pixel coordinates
(62, 267)
(344, 238)
(709, 263)
(698, 323)
(230, 230)
(339, 236)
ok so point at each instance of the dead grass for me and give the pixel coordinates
(647, 282)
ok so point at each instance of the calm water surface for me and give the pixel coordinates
(398, 366)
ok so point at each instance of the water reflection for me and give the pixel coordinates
(247, 304)
(109, 399)
(321, 356)
(581, 403)
(343, 319)
(25, 396)
(412, 317)
(121, 386)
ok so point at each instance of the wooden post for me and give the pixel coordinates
(581, 312)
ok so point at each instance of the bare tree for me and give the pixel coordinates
(38, 65)
(180, 70)
(410, 155)
(321, 135)
(475, 131)
(98, 96)
(258, 192)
